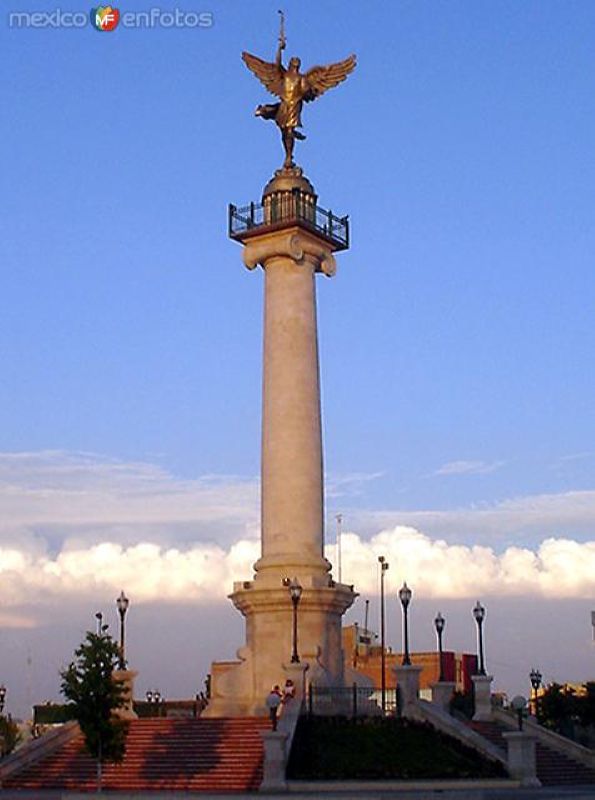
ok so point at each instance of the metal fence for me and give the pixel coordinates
(285, 207)
(351, 701)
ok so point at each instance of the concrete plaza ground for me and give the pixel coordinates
(382, 790)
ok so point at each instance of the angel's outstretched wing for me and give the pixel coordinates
(269, 74)
(319, 79)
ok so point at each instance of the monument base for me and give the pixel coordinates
(240, 688)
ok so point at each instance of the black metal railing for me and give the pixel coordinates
(350, 701)
(282, 208)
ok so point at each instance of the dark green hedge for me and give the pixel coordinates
(335, 748)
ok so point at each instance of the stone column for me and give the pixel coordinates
(483, 697)
(521, 757)
(292, 483)
(442, 692)
(290, 251)
(275, 761)
(408, 689)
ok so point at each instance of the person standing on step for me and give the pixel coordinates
(273, 701)
(288, 691)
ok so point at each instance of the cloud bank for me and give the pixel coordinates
(205, 573)
(77, 525)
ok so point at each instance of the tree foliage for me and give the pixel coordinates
(462, 704)
(586, 706)
(556, 707)
(561, 708)
(93, 696)
(10, 735)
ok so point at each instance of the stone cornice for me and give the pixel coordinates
(294, 243)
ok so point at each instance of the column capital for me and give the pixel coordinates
(294, 243)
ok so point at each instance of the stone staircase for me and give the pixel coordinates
(214, 755)
(553, 768)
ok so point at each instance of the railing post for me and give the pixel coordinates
(230, 212)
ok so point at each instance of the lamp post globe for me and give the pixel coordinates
(518, 704)
(479, 613)
(405, 594)
(122, 602)
(439, 624)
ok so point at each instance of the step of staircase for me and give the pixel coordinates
(553, 767)
(169, 754)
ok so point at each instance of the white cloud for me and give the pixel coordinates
(528, 518)
(97, 498)
(578, 456)
(203, 573)
(349, 485)
(468, 467)
(77, 525)
(558, 566)
(148, 571)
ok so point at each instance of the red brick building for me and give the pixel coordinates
(362, 655)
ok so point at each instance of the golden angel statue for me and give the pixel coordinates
(293, 88)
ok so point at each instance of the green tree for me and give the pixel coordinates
(93, 696)
(10, 735)
(586, 705)
(557, 708)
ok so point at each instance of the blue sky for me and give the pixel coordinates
(457, 338)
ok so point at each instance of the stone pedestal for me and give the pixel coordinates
(408, 689)
(442, 692)
(521, 757)
(483, 697)
(291, 254)
(275, 760)
(126, 677)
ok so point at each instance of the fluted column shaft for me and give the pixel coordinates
(292, 470)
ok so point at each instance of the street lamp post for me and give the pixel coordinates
(439, 624)
(122, 602)
(383, 567)
(479, 613)
(405, 598)
(2, 697)
(535, 677)
(295, 593)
